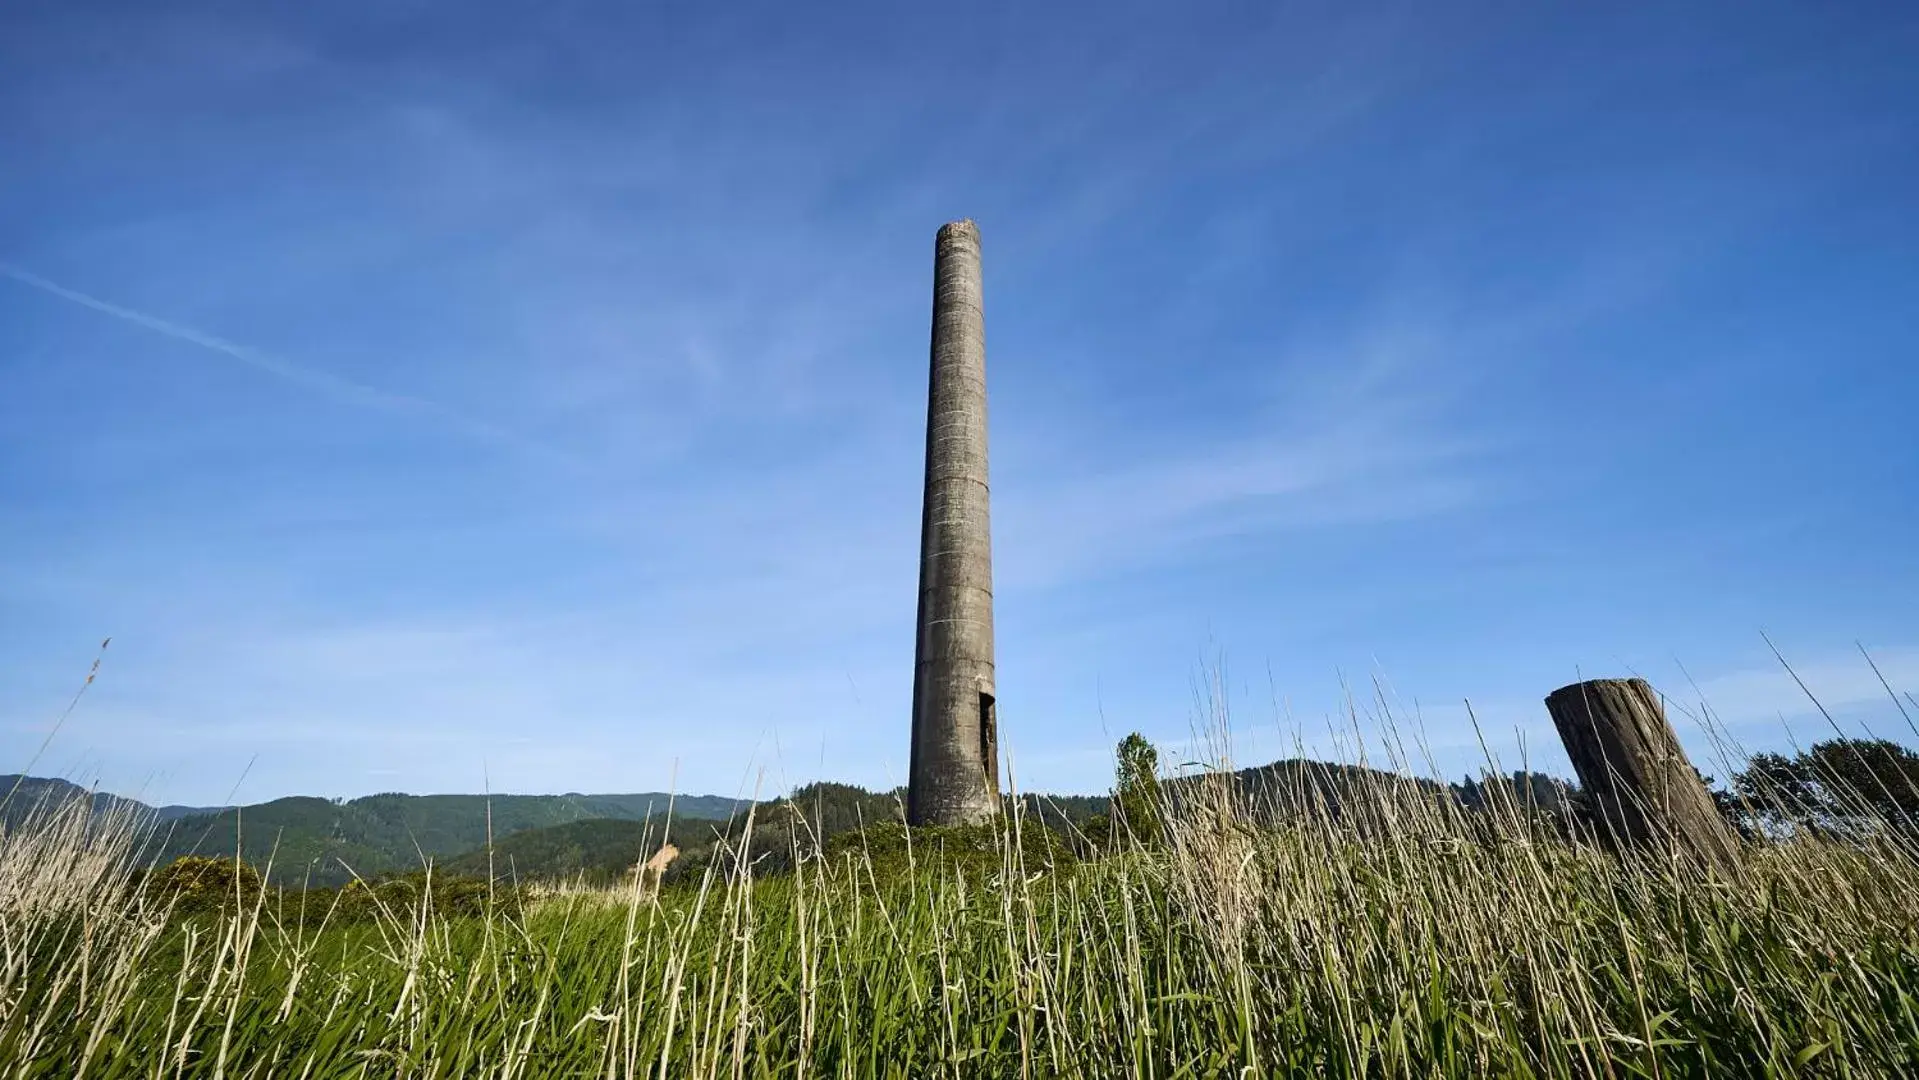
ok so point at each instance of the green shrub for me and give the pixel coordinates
(202, 884)
(977, 852)
(446, 896)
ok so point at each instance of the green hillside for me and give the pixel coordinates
(305, 839)
(596, 851)
(599, 851)
(328, 841)
(24, 795)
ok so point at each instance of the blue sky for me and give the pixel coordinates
(430, 396)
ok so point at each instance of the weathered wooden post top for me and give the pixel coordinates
(1648, 794)
(954, 775)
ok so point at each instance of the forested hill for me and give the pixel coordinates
(328, 841)
(23, 794)
(381, 833)
(309, 838)
(599, 852)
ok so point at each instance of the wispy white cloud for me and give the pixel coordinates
(1753, 703)
(345, 391)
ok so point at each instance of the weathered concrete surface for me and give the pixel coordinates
(954, 775)
(1627, 755)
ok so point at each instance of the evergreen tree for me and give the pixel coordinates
(1136, 796)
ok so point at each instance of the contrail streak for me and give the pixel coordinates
(333, 386)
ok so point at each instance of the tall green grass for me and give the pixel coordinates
(1393, 935)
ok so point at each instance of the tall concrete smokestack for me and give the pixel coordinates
(954, 778)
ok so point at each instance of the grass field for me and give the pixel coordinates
(1404, 939)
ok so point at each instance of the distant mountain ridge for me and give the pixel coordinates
(307, 838)
(24, 793)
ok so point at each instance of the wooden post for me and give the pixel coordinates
(1627, 756)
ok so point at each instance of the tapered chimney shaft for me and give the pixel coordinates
(954, 776)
